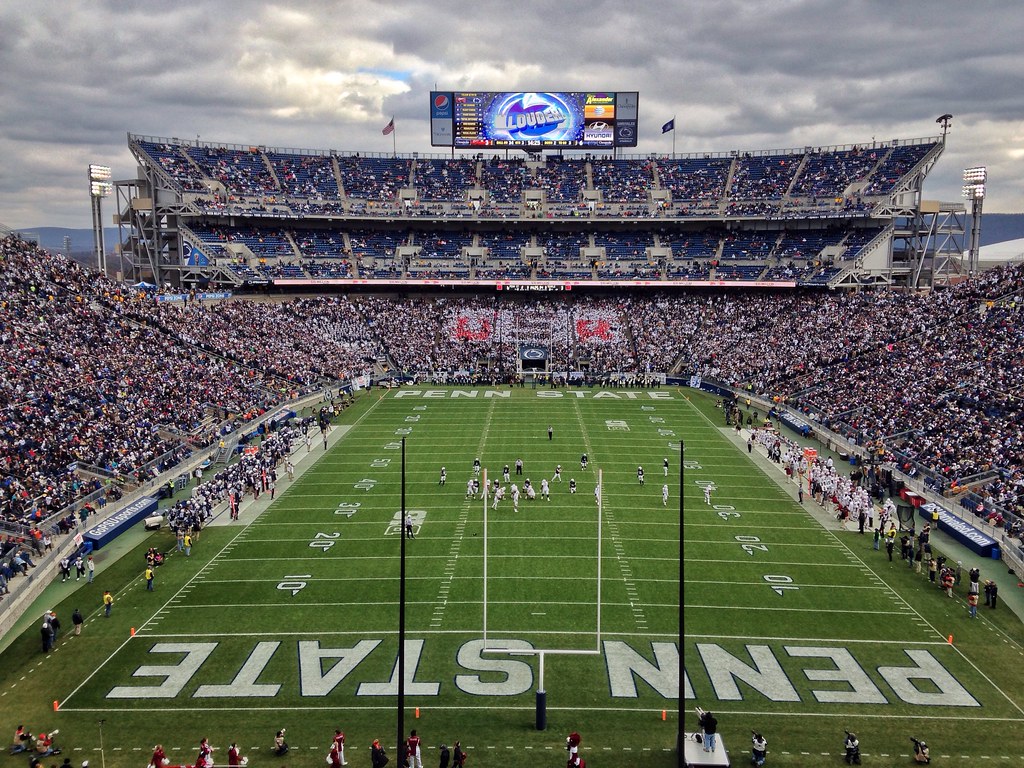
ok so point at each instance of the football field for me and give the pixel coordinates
(290, 617)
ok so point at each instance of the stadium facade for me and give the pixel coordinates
(846, 216)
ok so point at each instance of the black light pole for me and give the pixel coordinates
(679, 735)
(400, 750)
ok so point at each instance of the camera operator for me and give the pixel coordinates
(921, 751)
(758, 749)
(852, 747)
(709, 729)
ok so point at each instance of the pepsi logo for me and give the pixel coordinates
(441, 101)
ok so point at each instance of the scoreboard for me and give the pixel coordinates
(533, 120)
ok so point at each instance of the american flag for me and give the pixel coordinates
(389, 128)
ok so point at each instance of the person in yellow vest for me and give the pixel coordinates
(188, 544)
(149, 578)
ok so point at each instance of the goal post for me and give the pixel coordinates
(540, 653)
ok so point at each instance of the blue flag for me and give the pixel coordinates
(669, 126)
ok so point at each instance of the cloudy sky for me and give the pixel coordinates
(736, 74)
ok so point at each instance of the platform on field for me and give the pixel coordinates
(696, 757)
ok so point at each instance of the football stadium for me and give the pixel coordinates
(525, 451)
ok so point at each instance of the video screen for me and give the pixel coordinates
(527, 119)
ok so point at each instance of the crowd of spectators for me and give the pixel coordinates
(625, 181)
(255, 181)
(245, 173)
(101, 382)
(829, 174)
(93, 390)
(301, 252)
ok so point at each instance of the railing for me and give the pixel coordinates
(528, 151)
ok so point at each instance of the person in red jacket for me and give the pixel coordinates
(412, 750)
(572, 744)
(334, 756)
(339, 742)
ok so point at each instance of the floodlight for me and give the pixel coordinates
(975, 180)
(100, 186)
(978, 174)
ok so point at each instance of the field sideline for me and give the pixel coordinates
(289, 617)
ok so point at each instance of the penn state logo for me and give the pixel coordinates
(441, 101)
(533, 353)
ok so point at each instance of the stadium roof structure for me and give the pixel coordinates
(1001, 253)
(852, 215)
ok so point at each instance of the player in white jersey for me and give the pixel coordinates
(640, 475)
(545, 492)
(514, 491)
(530, 491)
(597, 493)
(707, 495)
(499, 494)
(470, 489)
(664, 495)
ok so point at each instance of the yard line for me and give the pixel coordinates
(277, 606)
(390, 633)
(857, 714)
(772, 543)
(803, 528)
(374, 577)
(747, 609)
(829, 640)
(774, 563)
(625, 569)
(881, 587)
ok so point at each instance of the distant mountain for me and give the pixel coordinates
(997, 227)
(52, 238)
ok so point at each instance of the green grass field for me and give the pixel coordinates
(292, 619)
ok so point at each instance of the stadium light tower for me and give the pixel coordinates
(975, 180)
(100, 186)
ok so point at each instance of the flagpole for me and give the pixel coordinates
(673, 137)
(394, 141)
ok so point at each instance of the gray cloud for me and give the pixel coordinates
(736, 74)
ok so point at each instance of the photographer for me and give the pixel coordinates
(758, 749)
(921, 751)
(280, 745)
(852, 747)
